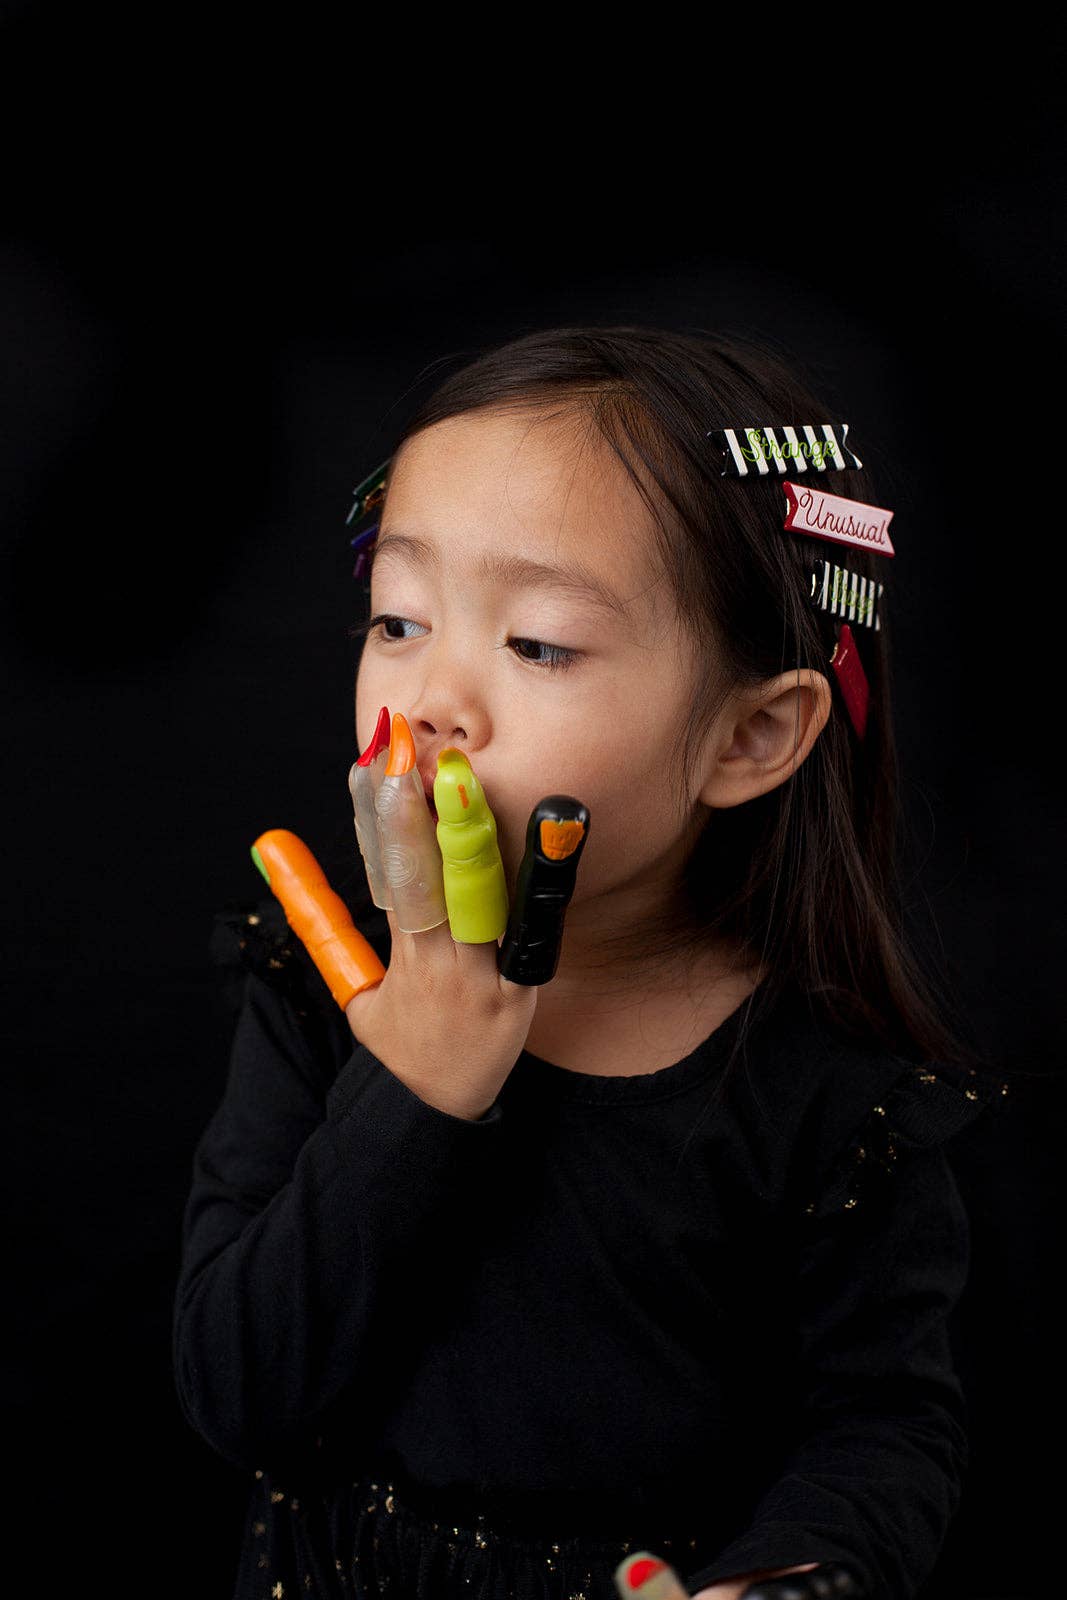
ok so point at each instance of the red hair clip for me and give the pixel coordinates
(852, 679)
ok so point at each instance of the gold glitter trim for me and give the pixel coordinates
(874, 1148)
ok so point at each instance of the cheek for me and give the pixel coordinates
(621, 837)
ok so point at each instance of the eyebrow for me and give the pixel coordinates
(512, 571)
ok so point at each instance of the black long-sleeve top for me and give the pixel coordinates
(608, 1291)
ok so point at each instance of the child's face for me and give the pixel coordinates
(515, 488)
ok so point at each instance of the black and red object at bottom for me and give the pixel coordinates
(555, 838)
(644, 1576)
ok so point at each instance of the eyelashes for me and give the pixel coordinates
(557, 658)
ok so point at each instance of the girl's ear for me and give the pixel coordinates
(764, 736)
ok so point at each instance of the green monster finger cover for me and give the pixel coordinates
(476, 891)
(555, 838)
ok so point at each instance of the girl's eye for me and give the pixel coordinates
(557, 656)
(384, 618)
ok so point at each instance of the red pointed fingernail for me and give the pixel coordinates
(642, 1570)
(380, 740)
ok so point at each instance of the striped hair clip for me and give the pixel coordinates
(844, 594)
(804, 447)
(368, 497)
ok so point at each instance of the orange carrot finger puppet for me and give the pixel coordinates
(317, 915)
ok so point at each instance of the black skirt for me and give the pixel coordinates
(378, 1538)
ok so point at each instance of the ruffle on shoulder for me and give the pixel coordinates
(255, 937)
(923, 1107)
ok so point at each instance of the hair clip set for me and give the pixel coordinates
(805, 450)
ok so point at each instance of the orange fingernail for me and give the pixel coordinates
(401, 748)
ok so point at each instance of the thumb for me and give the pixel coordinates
(646, 1577)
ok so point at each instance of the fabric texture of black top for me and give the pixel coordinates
(490, 1358)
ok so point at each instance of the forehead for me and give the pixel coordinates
(544, 487)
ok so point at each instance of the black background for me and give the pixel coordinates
(200, 363)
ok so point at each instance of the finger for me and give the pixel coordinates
(317, 915)
(363, 782)
(555, 838)
(476, 891)
(411, 860)
(645, 1577)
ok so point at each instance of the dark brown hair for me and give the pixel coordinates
(804, 879)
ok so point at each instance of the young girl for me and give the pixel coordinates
(490, 1285)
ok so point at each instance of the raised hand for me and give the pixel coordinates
(443, 1019)
(452, 1012)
